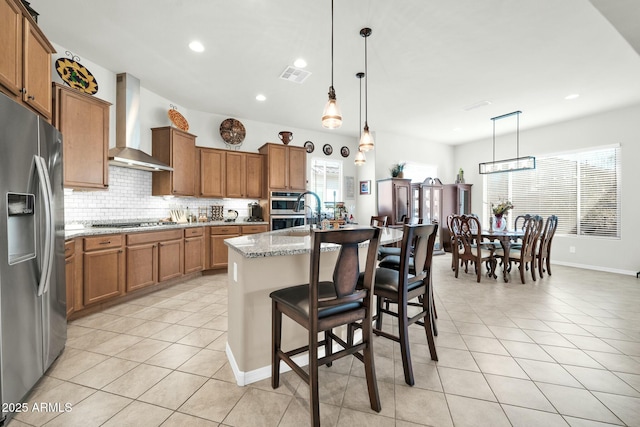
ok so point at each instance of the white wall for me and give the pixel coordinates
(620, 126)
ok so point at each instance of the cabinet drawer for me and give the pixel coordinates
(194, 232)
(103, 242)
(226, 230)
(69, 248)
(154, 236)
(252, 229)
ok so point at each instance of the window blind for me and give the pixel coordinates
(581, 188)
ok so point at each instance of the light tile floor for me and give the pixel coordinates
(564, 350)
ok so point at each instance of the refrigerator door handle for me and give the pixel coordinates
(47, 259)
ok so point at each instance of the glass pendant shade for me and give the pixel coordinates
(332, 116)
(360, 159)
(366, 140)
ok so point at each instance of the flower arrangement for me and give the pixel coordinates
(396, 169)
(502, 207)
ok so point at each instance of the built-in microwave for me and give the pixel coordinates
(284, 203)
(278, 222)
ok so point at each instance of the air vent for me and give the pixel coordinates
(476, 105)
(294, 74)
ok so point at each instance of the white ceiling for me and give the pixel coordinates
(427, 60)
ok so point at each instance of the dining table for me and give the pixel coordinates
(506, 239)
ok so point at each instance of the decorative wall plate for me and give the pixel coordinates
(178, 119)
(344, 151)
(327, 149)
(309, 147)
(232, 131)
(76, 75)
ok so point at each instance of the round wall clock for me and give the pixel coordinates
(76, 75)
(309, 147)
(232, 131)
(327, 149)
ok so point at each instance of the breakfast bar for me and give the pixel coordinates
(258, 265)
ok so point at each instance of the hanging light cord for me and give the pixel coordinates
(517, 135)
(331, 43)
(360, 110)
(494, 140)
(366, 80)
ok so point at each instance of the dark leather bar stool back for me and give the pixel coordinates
(324, 304)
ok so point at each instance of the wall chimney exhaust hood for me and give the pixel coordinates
(127, 151)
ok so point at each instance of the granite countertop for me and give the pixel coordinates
(290, 241)
(96, 231)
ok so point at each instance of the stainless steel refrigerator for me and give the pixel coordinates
(33, 326)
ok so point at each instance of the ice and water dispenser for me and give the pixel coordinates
(21, 227)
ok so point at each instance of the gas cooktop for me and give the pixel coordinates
(132, 224)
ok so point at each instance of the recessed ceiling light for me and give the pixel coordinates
(196, 46)
(261, 97)
(572, 96)
(300, 63)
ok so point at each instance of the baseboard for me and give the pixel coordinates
(595, 268)
(245, 378)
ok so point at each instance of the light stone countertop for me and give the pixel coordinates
(97, 231)
(290, 241)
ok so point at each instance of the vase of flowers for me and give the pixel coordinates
(500, 209)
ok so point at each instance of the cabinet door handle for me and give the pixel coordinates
(31, 97)
(23, 90)
(106, 242)
(68, 261)
(120, 251)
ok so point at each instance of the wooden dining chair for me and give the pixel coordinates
(543, 253)
(326, 303)
(409, 286)
(526, 255)
(379, 220)
(467, 246)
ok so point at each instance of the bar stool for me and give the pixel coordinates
(322, 305)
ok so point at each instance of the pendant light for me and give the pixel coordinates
(360, 157)
(507, 165)
(366, 140)
(331, 116)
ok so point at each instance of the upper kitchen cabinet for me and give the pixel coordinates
(25, 59)
(84, 122)
(211, 165)
(244, 175)
(177, 149)
(286, 167)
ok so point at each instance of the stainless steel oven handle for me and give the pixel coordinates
(47, 194)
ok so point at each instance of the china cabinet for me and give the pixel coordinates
(394, 199)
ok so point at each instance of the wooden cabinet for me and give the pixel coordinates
(456, 199)
(427, 203)
(194, 250)
(70, 273)
(84, 122)
(244, 175)
(25, 59)
(219, 255)
(286, 167)
(212, 167)
(153, 257)
(394, 199)
(177, 149)
(104, 268)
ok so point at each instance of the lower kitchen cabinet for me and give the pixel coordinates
(219, 256)
(194, 250)
(70, 273)
(104, 268)
(153, 257)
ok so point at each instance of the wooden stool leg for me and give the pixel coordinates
(276, 342)
(403, 327)
(429, 323)
(314, 394)
(328, 345)
(369, 367)
(379, 313)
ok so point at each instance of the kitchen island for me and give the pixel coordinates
(258, 265)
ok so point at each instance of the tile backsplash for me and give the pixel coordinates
(129, 197)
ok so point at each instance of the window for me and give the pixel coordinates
(326, 180)
(581, 188)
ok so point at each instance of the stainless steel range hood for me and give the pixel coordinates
(127, 151)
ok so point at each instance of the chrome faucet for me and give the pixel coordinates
(318, 204)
